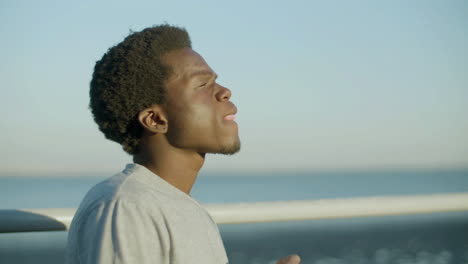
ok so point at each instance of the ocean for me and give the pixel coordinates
(427, 238)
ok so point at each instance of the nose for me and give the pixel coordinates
(223, 94)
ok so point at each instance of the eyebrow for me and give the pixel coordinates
(204, 72)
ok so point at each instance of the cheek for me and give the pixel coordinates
(201, 119)
(192, 121)
(200, 111)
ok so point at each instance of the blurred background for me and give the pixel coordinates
(335, 98)
(319, 84)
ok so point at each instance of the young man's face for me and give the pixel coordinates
(199, 112)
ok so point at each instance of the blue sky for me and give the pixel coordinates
(319, 84)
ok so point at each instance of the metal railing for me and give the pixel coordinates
(29, 220)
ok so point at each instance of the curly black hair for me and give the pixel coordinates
(129, 78)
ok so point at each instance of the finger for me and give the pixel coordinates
(291, 259)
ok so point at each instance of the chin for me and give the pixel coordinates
(229, 149)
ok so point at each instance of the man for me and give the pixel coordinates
(159, 99)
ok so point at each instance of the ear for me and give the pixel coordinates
(153, 119)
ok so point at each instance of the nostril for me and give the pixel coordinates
(224, 94)
(228, 93)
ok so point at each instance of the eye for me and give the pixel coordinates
(206, 84)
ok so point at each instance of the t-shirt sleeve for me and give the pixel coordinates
(123, 232)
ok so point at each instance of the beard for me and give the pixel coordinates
(230, 150)
(180, 138)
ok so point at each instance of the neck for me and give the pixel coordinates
(179, 167)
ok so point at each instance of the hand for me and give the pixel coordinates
(291, 259)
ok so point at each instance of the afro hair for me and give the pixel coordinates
(130, 78)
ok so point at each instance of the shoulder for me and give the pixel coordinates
(120, 214)
(122, 193)
(119, 226)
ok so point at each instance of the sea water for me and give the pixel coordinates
(429, 238)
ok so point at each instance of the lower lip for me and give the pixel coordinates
(230, 117)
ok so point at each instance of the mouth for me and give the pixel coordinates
(231, 116)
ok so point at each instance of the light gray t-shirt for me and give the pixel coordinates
(137, 217)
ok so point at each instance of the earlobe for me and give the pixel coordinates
(153, 119)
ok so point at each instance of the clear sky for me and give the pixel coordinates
(319, 84)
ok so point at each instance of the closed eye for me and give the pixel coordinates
(207, 84)
(204, 78)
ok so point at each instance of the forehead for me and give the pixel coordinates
(186, 63)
